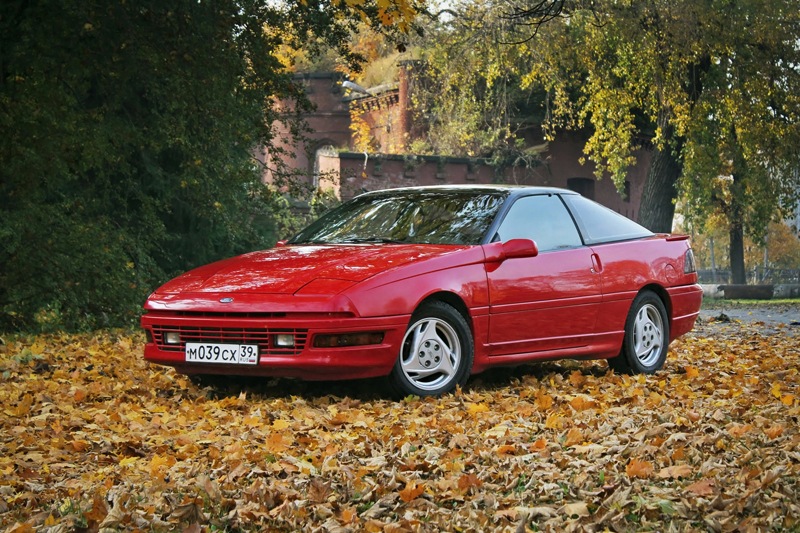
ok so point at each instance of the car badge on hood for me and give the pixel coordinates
(225, 300)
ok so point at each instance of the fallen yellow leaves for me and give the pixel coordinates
(91, 437)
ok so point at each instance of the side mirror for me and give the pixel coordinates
(500, 251)
(520, 248)
(280, 244)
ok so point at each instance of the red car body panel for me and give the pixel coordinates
(570, 303)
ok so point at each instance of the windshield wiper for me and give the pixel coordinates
(310, 242)
(377, 240)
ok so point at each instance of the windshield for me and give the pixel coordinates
(407, 216)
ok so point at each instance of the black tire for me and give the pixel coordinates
(644, 348)
(436, 354)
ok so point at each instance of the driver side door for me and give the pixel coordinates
(548, 302)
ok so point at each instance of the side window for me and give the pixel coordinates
(601, 224)
(544, 219)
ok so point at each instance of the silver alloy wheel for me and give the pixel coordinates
(431, 354)
(648, 335)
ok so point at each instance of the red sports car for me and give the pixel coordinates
(429, 285)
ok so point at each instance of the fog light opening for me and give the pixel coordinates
(348, 339)
(172, 337)
(284, 340)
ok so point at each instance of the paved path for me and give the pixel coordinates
(768, 315)
(777, 319)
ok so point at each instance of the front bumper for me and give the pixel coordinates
(302, 360)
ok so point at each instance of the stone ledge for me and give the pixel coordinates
(751, 292)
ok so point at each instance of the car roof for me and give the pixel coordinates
(515, 190)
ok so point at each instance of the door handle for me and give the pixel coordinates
(597, 265)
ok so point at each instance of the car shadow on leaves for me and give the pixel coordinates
(492, 380)
(500, 377)
(218, 387)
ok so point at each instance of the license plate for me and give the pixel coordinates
(231, 354)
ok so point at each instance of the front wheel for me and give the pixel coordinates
(644, 348)
(436, 354)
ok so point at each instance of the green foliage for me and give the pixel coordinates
(741, 158)
(715, 82)
(468, 91)
(128, 141)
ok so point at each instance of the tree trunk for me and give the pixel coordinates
(736, 221)
(657, 207)
(738, 276)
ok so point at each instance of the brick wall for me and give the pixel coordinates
(351, 173)
(329, 124)
(386, 113)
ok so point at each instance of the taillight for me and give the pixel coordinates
(688, 262)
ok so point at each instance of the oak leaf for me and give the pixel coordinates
(738, 430)
(348, 514)
(678, 454)
(675, 471)
(580, 403)
(468, 481)
(540, 511)
(575, 510)
(98, 511)
(538, 445)
(554, 421)
(692, 371)
(319, 491)
(775, 390)
(279, 424)
(574, 436)
(209, 486)
(576, 378)
(159, 465)
(704, 487)
(544, 401)
(637, 468)
(80, 445)
(374, 526)
(506, 449)
(411, 491)
(475, 408)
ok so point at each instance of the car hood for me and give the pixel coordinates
(289, 269)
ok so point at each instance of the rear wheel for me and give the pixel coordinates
(436, 354)
(644, 348)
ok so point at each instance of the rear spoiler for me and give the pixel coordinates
(676, 237)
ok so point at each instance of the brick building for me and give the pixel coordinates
(328, 159)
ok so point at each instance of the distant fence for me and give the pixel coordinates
(756, 276)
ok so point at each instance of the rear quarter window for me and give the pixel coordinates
(599, 224)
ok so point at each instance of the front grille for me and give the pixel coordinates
(236, 315)
(263, 337)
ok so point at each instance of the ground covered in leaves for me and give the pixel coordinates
(92, 438)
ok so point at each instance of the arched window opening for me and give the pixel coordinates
(582, 186)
